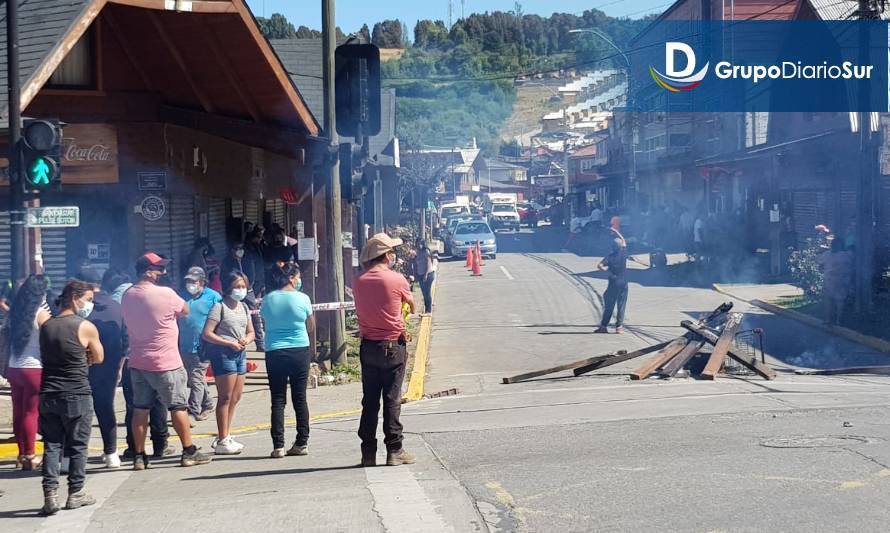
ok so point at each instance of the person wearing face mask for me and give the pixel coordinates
(69, 345)
(241, 262)
(201, 300)
(227, 334)
(156, 370)
(287, 313)
(379, 295)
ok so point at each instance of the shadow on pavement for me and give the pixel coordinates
(262, 473)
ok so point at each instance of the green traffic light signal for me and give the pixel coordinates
(40, 172)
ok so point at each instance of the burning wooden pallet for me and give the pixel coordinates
(718, 329)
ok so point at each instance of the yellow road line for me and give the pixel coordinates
(418, 372)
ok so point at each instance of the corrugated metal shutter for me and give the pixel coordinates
(810, 209)
(278, 211)
(182, 231)
(53, 244)
(252, 211)
(237, 208)
(217, 222)
(5, 247)
(157, 233)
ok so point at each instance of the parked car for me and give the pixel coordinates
(468, 233)
(530, 213)
(504, 216)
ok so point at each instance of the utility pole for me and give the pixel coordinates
(16, 193)
(334, 246)
(864, 190)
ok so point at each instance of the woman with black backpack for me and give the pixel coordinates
(227, 333)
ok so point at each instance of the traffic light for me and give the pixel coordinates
(41, 149)
(357, 88)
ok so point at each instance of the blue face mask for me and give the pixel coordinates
(299, 284)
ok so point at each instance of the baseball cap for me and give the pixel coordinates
(378, 245)
(150, 260)
(195, 274)
(90, 275)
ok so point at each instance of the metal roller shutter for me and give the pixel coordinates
(217, 225)
(278, 211)
(810, 209)
(252, 211)
(237, 208)
(182, 229)
(5, 247)
(53, 244)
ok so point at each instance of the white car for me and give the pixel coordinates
(504, 216)
(467, 234)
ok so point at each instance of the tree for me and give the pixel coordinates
(430, 35)
(388, 34)
(307, 33)
(365, 33)
(277, 27)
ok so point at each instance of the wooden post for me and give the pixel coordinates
(715, 362)
(751, 363)
(665, 355)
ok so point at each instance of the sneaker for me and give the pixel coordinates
(619, 329)
(111, 460)
(214, 442)
(601, 329)
(227, 446)
(140, 461)
(50, 502)
(298, 450)
(400, 457)
(195, 457)
(166, 451)
(79, 499)
(236, 443)
(277, 453)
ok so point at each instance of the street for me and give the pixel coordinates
(592, 453)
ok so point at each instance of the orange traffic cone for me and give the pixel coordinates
(479, 254)
(477, 265)
(469, 264)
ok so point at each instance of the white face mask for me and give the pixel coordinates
(239, 294)
(192, 288)
(84, 311)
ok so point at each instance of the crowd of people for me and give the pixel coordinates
(64, 364)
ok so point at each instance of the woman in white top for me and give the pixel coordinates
(21, 347)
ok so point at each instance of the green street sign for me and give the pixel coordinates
(40, 171)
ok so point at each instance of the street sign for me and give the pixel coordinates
(52, 217)
(152, 181)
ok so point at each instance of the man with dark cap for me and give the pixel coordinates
(150, 311)
(379, 294)
(201, 300)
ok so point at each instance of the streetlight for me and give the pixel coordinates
(627, 100)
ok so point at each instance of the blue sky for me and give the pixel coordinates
(351, 14)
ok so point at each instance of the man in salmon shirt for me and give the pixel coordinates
(379, 294)
(150, 311)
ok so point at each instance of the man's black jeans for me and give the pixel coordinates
(65, 423)
(426, 287)
(616, 294)
(103, 382)
(157, 417)
(383, 371)
(283, 366)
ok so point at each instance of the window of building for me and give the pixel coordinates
(77, 70)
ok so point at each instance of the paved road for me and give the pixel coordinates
(594, 453)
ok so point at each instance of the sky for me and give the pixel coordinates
(351, 14)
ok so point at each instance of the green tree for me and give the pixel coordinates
(277, 27)
(388, 34)
(429, 34)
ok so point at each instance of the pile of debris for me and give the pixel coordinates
(718, 329)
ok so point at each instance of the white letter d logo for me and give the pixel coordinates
(670, 51)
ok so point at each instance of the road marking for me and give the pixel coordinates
(506, 273)
(507, 500)
(401, 502)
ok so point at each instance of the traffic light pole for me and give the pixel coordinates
(334, 248)
(16, 193)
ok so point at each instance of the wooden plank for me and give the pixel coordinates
(618, 358)
(662, 357)
(122, 42)
(847, 370)
(553, 370)
(718, 355)
(180, 62)
(192, 6)
(674, 365)
(751, 363)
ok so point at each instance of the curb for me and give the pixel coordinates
(421, 355)
(866, 340)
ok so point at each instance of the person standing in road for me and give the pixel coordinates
(379, 295)
(616, 292)
(287, 313)
(837, 270)
(241, 262)
(423, 268)
(69, 345)
(150, 312)
(227, 334)
(201, 300)
(698, 237)
(20, 353)
(104, 377)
